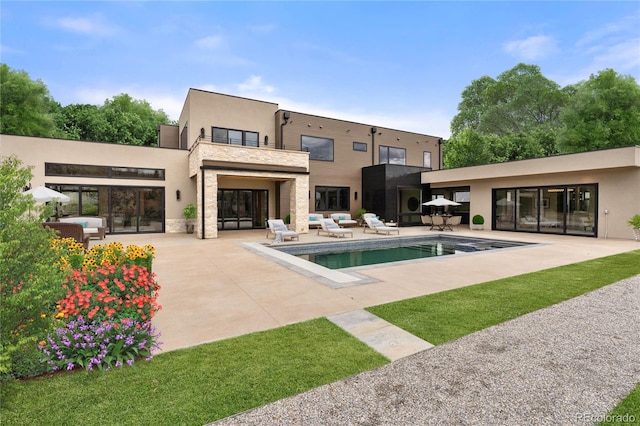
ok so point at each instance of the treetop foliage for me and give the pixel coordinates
(27, 108)
(521, 114)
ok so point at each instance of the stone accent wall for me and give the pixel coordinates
(175, 226)
(204, 151)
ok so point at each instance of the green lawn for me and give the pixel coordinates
(627, 412)
(196, 385)
(441, 317)
(201, 384)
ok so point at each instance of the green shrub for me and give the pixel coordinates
(634, 222)
(477, 220)
(189, 212)
(30, 279)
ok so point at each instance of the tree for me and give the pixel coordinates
(467, 148)
(516, 115)
(82, 122)
(131, 121)
(30, 277)
(604, 113)
(26, 107)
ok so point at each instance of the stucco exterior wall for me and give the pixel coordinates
(204, 109)
(616, 171)
(35, 152)
(345, 169)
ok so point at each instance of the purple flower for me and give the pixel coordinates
(130, 362)
(118, 363)
(70, 366)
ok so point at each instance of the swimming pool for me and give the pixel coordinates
(370, 252)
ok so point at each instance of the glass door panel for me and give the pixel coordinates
(552, 210)
(124, 209)
(581, 210)
(151, 207)
(245, 211)
(527, 201)
(505, 209)
(260, 211)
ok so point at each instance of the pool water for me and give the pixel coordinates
(372, 252)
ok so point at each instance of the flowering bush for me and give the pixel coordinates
(110, 292)
(99, 344)
(73, 255)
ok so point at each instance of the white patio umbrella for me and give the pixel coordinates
(43, 194)
(440, 202)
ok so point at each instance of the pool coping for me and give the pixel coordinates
(348, 277)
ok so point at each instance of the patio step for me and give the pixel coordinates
(391, 341)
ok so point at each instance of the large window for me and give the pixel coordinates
(318, 148)
(84, 170)
(234, 137)
(332, 198)
(561, 209)
(391, 155)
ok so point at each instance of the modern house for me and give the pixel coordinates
(242, 161)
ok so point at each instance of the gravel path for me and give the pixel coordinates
(568, 364)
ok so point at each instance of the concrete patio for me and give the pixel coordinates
(216, 289)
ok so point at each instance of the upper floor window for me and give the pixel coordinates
(426, 159)
(318, 148)
(359, 146)
(392, 155)
(234, 137)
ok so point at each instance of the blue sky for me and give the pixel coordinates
(401, 65)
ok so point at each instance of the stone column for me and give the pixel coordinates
(299, 204)
(211, 204)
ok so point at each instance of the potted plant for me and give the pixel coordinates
(359, 215)
(634, 222)
(477, 222)
(189, 213)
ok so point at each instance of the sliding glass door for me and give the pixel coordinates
(562, 209)
(242, 208)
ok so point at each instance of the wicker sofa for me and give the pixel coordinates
(69, 230)
(93, 226)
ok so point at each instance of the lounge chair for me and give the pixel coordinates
(343, 219)
(426, 220)
(379, 227)
(280, 230)
(333, 229)
(69, 230)
(315, 219)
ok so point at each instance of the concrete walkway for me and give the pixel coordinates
(568, 364)
(389, 340)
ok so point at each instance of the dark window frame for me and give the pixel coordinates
(226, 140)
(109, 172)
(424, 154)
(360, 144)
(388, 149)
(311, 154)
(324, 190)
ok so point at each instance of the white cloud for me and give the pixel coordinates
(170, 103)
(210, 42)
(254, 85)
(531, 48)
(88, 25)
